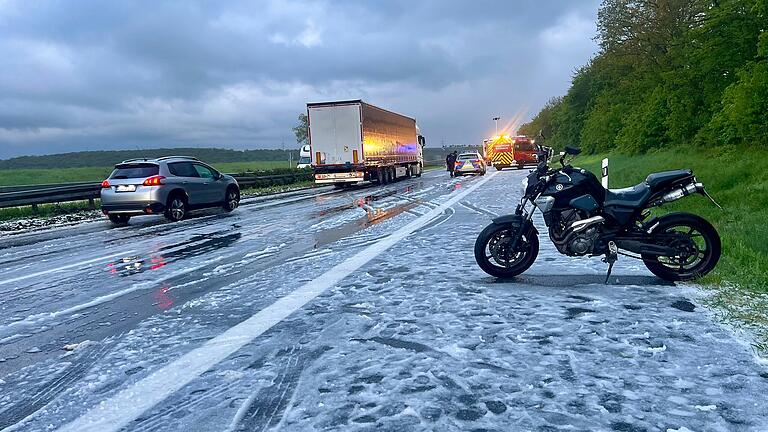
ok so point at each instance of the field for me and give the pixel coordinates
(737, 182)
(9, 177)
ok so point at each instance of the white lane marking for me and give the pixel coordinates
(124, 407)
(46, 316)
(68, 266)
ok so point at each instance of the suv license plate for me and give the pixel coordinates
(126, 188)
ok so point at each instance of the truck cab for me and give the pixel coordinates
(524, 151)
(305, 158)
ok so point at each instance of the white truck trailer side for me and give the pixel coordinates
(352, 141)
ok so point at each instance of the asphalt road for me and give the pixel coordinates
(304, 313)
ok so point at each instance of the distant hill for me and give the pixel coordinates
(110, 158)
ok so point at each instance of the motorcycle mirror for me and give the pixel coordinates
(572, 150)
(561, 154)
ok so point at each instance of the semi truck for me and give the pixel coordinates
(352, 142)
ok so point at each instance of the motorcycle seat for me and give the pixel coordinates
(634, 196)
(660, 180)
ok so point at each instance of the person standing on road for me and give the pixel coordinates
(450, 162)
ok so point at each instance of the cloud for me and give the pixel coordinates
(85, 74)
(309, 37)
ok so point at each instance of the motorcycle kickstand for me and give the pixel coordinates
(611, 257)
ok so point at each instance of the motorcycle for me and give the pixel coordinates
(583, 218)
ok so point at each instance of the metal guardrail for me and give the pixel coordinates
(17, 196)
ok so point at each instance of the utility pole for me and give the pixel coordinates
(496, 122)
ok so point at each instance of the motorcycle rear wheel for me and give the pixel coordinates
(698, 242)
(493, 256)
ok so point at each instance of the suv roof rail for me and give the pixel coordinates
(177, 157)
(135, 160)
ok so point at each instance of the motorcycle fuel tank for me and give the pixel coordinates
(573, 183)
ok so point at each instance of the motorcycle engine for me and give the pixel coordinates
(584, 242)
(578, 244)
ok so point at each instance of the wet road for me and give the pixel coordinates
(306, 313)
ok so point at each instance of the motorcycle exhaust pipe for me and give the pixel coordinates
(684, 191)
(584, 223)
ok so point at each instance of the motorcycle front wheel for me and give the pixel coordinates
(494, 255)
(697, 244)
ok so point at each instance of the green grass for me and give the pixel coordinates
(44, 210)
(15, 177)
(737, 181)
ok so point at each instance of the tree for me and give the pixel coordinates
(644, 31)
(543, 120)
(301, 130)
(744, 115)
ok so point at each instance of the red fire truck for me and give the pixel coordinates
(504, 151)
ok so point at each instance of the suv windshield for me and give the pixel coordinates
(126, 171)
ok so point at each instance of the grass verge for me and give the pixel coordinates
(736, 179)
(19, 177)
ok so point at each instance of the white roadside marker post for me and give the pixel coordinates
(605, 173)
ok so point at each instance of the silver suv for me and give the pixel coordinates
(171, 185)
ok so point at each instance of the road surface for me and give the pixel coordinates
(301, 313)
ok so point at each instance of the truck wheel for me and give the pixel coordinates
(418, 170)
(392, 174)
(381, 176)
(408, 173)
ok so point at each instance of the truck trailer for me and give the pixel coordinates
(352, 142)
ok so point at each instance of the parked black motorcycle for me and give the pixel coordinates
(584, 218)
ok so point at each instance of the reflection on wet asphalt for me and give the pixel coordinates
(417, 339)
(200, 254)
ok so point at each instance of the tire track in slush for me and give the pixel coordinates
(265, 409)
(123, 407)
(17, 413)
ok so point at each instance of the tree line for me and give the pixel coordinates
(667, 73)
(109, 158)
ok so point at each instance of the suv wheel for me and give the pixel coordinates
(119, 219)
(232, 200)
(177, 208)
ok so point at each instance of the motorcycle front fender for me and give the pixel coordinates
(517, 222)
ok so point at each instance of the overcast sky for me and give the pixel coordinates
(91, 75)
